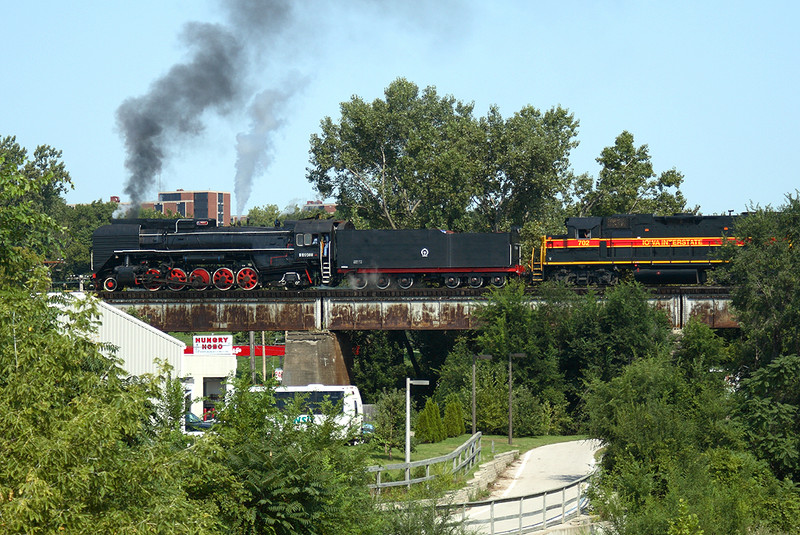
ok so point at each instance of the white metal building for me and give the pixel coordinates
(141, 346)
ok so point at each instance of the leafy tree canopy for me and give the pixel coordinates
(764, 277)
(405, 161)
(46, 173)
(527, 173)
(627, 184)
(416, 159)
(79, 222)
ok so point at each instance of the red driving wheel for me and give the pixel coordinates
(247, 278)
(200, 279)
(223, 279)
(177, 279)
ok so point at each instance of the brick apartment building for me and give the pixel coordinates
(199, 204)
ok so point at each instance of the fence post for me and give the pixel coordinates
(563, 505)
(491, 518)
(378, 482)
(521, 499)
(544, 510)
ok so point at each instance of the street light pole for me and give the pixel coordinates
(474, 360)
(409, 382)
(510, 398)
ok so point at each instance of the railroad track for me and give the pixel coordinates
(366, 294)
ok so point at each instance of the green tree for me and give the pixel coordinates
(526, 172)
(82, 453)
(79, 222)
(599, 337)
(390, 420)
(770, 413)
(510, 324)
(627, 184)
(263, 216)
(429, 426)
(763, 276)
(152, 213)
(403, 161)
(26, 232)
(454, 417)
(378, 362)
(669, 440)
(47, 174)
(294, 478)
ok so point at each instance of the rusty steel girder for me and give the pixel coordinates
(342, 311)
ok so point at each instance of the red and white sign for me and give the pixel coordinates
(214, 343)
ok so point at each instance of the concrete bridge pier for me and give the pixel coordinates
(322, 357)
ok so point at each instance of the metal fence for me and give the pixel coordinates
(463, 458)
(524, 514)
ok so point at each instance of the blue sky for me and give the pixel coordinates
(711, 87)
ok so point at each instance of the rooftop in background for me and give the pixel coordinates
(198, 204)
(310, 206)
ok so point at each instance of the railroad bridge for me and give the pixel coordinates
(317, 323)
(348, 310)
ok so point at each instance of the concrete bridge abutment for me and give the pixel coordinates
(321, 357)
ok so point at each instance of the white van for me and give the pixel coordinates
(352, 414)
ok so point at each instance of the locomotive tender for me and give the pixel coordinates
(196, 254)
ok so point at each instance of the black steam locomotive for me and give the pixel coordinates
(197, 254)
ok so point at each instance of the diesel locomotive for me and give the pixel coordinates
(675, 249)
(180, 254)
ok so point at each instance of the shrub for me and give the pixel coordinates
(454, 417)
(429, 426)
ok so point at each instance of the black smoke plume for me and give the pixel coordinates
(212, 80)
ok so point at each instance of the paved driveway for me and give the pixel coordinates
(546, 467)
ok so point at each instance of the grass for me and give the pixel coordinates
(428, 451)
(445, 480)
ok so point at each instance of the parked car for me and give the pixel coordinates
(194, 424)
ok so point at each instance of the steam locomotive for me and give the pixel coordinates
(197, 254)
